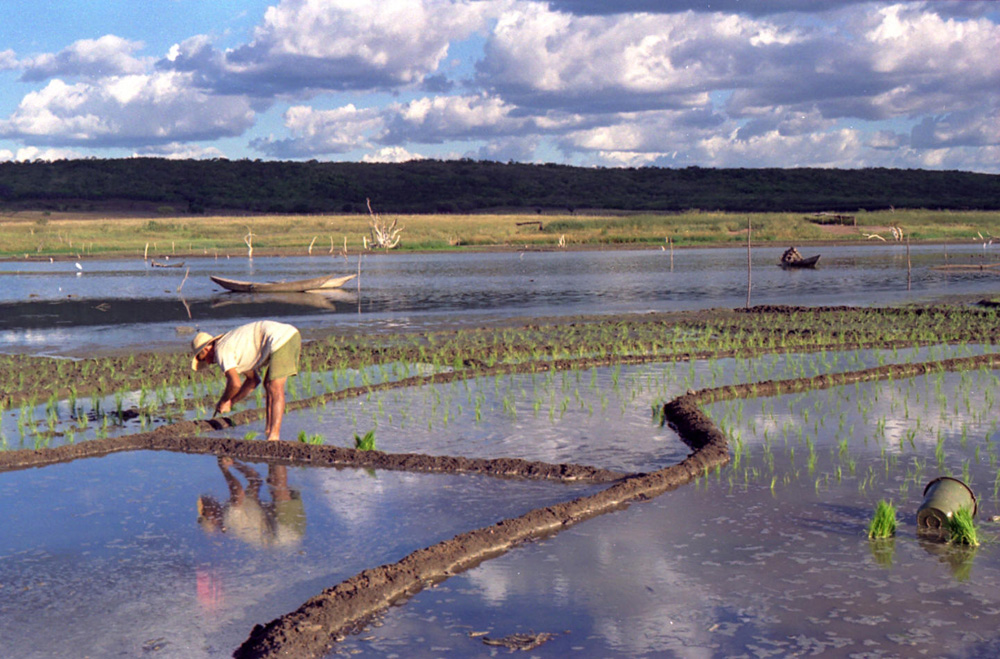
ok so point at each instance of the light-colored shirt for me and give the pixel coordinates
(249, 347)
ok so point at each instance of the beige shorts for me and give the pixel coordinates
(284, 361)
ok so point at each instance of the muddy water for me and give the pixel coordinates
(110, 551)
(767, 557)
(43, 306)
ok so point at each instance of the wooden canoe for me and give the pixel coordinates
(297, 286)
(802, 263)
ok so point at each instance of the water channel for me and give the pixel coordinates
(82, 308)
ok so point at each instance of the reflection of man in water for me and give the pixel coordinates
(242, 354)
(280, 522)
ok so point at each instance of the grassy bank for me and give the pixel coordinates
(43, 234)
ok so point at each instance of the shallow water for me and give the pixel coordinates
(769, 556)
(43, 306)
(606, 417)
(105, 557)
(58, 422)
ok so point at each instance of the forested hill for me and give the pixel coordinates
(430, 186)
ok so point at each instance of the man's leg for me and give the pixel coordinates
(274, 391)
(283, 364)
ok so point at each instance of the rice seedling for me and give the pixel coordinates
(307, 438)
(366, 442)
(962, 528)
(883, 522)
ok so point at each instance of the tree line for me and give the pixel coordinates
(467, 186)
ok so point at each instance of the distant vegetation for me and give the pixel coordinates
(171, 187)
(44, 234)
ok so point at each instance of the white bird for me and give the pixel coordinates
(78, 266)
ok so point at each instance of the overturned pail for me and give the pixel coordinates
(942, 497)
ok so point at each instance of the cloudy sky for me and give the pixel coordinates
(671, 83)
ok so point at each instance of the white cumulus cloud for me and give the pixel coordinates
(441, 118)
(323, 131)
(88, 58)
(348, 44)
(391, 154)
(155, 108)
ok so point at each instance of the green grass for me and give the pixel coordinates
(29, 234)
(883, 524)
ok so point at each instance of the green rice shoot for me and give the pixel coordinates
(962, 528)
(315, 439)
(883, 524)
(366, 443)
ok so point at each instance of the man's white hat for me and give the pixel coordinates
(198, 343)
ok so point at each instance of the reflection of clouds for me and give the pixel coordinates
(891, 413)
(355, 496)
(352, 495)
(600, 425)
(34, 337)
(629, 582)
(633, 583)
(918, 408)
(493, 581)
(774, 425)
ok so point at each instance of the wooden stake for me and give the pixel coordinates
(748, 261)
(182, 285)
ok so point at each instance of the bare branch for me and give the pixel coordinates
(382, 236)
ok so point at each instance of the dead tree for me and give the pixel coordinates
(382, 236)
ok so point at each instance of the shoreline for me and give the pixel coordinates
(472, 249)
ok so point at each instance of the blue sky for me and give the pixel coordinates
(731, 83)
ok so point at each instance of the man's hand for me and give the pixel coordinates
(223, 407)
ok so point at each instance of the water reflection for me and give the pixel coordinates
(957, 558)
(278, 522)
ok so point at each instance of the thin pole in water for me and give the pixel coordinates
(908, 280)
(749, 228)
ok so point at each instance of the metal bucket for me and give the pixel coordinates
(942, 497)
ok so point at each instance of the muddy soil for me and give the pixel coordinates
(314, 627)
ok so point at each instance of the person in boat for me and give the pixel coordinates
(791, 255)
(242, 354)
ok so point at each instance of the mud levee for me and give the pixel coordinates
(179, 438)
(778, 387)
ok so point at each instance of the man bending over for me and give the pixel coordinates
(242, 354)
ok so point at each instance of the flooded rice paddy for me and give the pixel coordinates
(768, 555)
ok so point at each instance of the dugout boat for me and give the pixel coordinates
(298, 286)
